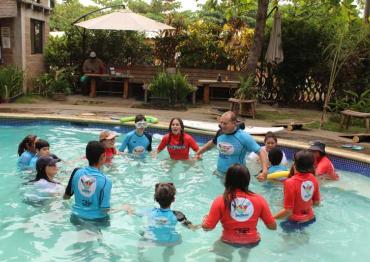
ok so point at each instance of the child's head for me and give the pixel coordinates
(317, 148)
(304, 161)
(42, 148)
(237, 177)
(95, 153)
(27, 144)
(140, 122)
(46, 168)
(176, 126)
(275, 156)
(270, 141)
(164, 194)
(108, 138)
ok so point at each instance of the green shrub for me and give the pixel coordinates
(352, 100)
(56, 81)
(174, 87)
(11, 82)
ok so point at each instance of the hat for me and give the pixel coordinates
(42, 162)
(107, 135)
(92, 54)
(317, 146)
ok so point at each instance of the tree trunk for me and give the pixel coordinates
(255, 53)
(366, 11)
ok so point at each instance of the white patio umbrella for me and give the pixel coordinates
(274, 54)
(125, 20)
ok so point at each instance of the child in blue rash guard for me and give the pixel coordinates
(42, 150)
(91, 187)
(26, 151)
(162, 221)
(137, 141)
(275, 156)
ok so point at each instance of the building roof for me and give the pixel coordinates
(8, 8)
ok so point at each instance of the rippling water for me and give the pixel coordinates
(44, 233)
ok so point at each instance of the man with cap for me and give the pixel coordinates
(108, 139)
(92, 65)
(323, 166)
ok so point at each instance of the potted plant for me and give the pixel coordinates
(244, 101)
(169, 89)
(59, 87)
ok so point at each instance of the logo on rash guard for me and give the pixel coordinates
(225, 148)
(241, 209)
(307, 189)
(87, 185)
(138, 150)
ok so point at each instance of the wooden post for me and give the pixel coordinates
(93, 87)
(206, 94)
(125, 88)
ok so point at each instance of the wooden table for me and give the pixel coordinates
(125, 79)
(208, 83)
(346, 118)
(243, 107)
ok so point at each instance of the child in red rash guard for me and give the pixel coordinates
(301, 193)
(239, 210)
(177, 141)
(108, 139)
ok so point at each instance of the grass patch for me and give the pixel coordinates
(280, 116)
(29, 99)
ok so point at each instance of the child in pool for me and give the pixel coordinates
(177, 141)
(239, 210)
(46, 169)
(138, 142)
(162, 221)
(324, 168)
(275, 156)
(270, 143)
(301, 193)
(26, 151)
(108, 139)
(42, 150)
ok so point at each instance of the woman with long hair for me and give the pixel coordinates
(177, 141)
(239, 209)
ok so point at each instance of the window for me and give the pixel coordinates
(37, 36)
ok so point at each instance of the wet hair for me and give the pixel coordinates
(237, 178)
(270, 134)
(275, 156)
(139, 118)
(231, 115)
(26, 144)
(164, 194)
(182, 130)
(94, 150)
(304, 161)
(40, 143)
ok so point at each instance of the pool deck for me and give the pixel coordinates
(101, 109)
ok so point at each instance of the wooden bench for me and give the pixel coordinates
(144, 74)
(346, 118)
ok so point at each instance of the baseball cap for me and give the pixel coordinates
(92, 54)
(317, 146)
(42, 162)
(107, 135)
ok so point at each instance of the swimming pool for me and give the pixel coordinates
(44, 233)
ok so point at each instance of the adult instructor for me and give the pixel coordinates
(233, 144)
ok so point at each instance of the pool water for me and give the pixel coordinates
(44, 232)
